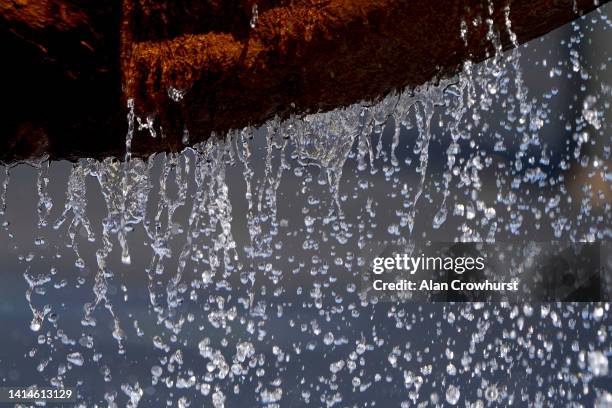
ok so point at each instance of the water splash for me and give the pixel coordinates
(76, 204)
(44, 200)
(254, 242)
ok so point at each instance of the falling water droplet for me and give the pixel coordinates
(254, 16)
(452, 395)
